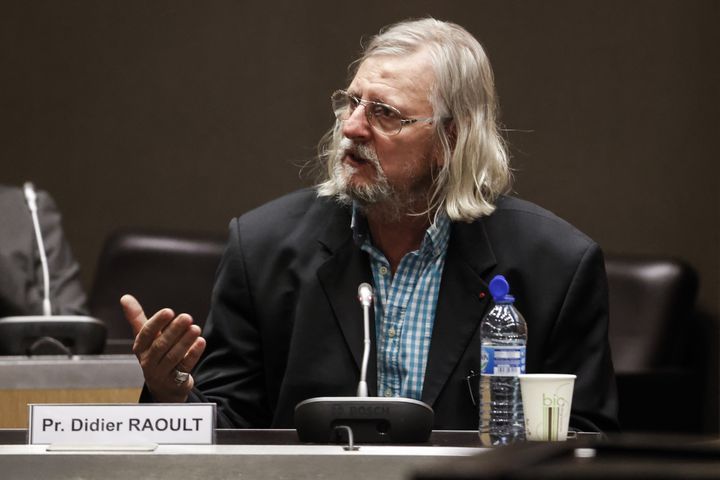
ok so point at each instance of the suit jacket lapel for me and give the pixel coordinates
(461, 304)
(346, 268)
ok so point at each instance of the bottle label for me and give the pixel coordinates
(508, 361)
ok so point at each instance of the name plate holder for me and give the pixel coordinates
(120, 427)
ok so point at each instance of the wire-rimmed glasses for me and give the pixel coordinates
(382, 117)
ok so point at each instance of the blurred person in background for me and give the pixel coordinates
(21, 277)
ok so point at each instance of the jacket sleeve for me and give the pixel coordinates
(231, 372)
(579, 344)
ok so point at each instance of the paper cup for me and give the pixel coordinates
(547, 398)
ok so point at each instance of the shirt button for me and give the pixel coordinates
(391, 332)
(388, 392)
(383, 270)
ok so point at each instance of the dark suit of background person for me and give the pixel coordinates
(285, 324)
(21, 281)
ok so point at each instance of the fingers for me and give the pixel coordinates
(177, 353)
(193, 355)
(181, 391)
(160, 335)
(133, 313)
(158, 324)
(164, 343)
(177, 346)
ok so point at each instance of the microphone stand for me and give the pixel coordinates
(364, 419)
(366, 297)
(31, 198)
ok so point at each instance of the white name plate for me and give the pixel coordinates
(122, 424)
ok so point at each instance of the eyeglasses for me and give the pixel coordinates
(383, 118)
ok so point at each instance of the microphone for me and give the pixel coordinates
(365, 295)
(31, 198)
(363, 418)
(48, 333)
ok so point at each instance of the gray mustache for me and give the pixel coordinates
(359, 150)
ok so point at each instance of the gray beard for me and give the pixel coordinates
(376, 198)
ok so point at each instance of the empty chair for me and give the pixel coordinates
(661, 350)
(161, 269)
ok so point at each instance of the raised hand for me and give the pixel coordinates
(167, 346)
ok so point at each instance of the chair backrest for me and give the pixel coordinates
(161, 269)
(651, 298)
(652, 302)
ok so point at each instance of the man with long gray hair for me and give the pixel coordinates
(413, 200)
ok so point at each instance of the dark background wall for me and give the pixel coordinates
(180, 114)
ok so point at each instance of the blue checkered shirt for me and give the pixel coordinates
(405, 307)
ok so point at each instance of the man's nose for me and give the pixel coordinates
(357, 126)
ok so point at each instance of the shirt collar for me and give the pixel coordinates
(436, 236)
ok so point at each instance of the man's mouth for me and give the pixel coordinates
(354, 158)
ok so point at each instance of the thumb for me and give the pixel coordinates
(134, 313)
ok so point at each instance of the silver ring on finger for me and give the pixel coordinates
(181, 377)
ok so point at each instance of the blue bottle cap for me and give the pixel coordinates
(499, 289)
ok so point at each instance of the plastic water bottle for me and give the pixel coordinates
(503, 336)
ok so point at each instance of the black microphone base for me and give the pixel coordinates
(51, 335)
(371, 419)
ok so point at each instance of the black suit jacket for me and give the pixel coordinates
(285, 324)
